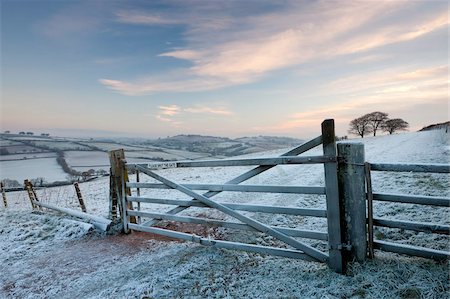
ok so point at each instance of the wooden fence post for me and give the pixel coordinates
(119, 175)
(351, 175)
(336, 261)
(80, 197)
(2, 187)
(31, 193)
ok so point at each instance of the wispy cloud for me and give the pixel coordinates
(239, 51)
(174, 114)
(208, 110)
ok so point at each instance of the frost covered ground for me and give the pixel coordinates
(47, 255)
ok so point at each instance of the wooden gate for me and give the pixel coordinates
(122, 194)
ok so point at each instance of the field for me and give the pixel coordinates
(46, 255)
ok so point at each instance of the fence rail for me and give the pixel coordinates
(240, 207)
(432, 228)
(435, 168)
(285, 160)
(237, 188)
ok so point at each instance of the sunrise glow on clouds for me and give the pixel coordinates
(277, 68)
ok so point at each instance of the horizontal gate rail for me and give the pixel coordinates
(224, 244)
(414, 199)
(239, 207)
(237, 162)
(318, 255)
(411, 250)
(435, 168)
(236, 188)
(309, 234)
(415, 226)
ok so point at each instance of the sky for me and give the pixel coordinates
(222, 68)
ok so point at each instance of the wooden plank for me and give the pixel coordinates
(225, 244)
(434, 168)
(240, 207)
(415, 226)
(309, 234)
(99, 222)
(253, 172)
(411, 250)
(414, 199)
(238, 188)
(80, 197)
(320, 256)
(138, 191)
(353, 200)
(2, 187)
(370, 251)
(336, 261)
(238, 162)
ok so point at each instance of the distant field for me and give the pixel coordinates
(27, 156)
(91, 159)
(61, 145)
(107, 146)
(32, 168)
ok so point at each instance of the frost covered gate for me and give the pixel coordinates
(346, 238)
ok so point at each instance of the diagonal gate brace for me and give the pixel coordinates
(249, 174)
(318, 255)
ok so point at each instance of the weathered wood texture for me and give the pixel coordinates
(80, 197)
(235, 225)
(336, 261)
(411, 250)
(31, 193)
(2, 187)
(415, 226)
(370, 248)
(435, 168)
(353, 199)
(414, 199)
(240, 207)
(239, 162)
(98, 222)
(237, 188)
(119, 180)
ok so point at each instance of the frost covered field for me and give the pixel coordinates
(47, 255)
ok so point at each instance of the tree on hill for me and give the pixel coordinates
(360, 126)
(376, 120)
(395, 124)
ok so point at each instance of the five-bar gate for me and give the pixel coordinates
(333, 256)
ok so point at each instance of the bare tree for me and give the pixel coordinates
(376, 120)
(395, 124)
(360, 126)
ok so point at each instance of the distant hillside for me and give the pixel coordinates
(445, 125)
(222, 146)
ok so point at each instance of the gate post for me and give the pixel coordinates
(336, 261)
(351, 177)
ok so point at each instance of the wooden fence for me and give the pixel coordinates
(431, 228)
(349, 225)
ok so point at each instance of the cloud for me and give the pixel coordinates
(169, 110)
(174, 114)
(245, 49)
(136, 17)
(208, 110)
